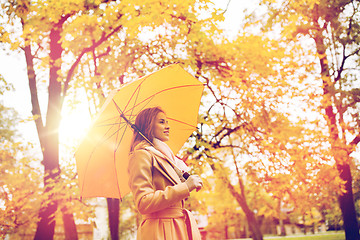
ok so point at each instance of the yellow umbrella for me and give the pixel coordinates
(102, 157)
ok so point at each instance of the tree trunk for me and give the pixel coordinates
(341, 157)
(282, 227)
(113, 210)
(305, 227)
(49, 140)
(346, 201)
(46, 226)
(253, 224)
(69, 225)
(281, 220)
(247, 231)
(226, 231)
(256, 233)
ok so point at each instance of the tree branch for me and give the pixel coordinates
(356, 140)
(36, 111)
(228, 132)
(71, 71)
(240, 180)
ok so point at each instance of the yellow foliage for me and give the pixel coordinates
(255, 79)
(19, 190)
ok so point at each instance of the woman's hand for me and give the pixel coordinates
(194, 182)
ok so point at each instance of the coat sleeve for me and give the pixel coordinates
(147, 198)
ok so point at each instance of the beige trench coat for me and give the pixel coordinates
(159, 196)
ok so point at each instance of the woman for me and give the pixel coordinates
(156, 182)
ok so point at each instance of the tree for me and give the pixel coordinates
(18, 189)
(18, 195)
(246, 90)
(113, 213)
(20, 185)
(250, 107)
(102, 45)
(334, 30)
(222, 211)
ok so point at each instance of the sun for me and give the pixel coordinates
(74, 124)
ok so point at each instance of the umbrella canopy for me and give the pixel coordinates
(102, 157)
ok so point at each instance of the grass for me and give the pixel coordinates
(324, 236)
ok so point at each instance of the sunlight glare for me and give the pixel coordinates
(74, 124)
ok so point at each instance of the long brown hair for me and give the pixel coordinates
(145, 123)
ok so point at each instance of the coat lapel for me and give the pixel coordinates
(164, 165)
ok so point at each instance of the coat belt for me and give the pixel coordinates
(166, 213)
(174, 212)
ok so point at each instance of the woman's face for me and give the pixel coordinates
(161, 127)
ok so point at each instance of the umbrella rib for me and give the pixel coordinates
(151, 97)
(182, 122)
(145, 78)
(144, 106)
(114, 129)
(114, 159)
(133, 126)
(94, 149)
(118, 130)
(118, 142)
(122, 114)
(164, 90)
(121, 138)
(137, 90)
(109, 124)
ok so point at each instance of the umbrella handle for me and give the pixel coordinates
(133, 126)
(186, 175)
